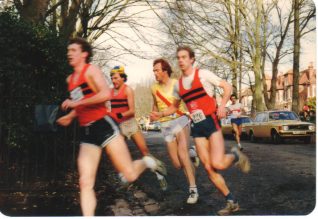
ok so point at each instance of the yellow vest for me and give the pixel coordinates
(167, 93)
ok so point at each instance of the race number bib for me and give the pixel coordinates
(197, 116)
(77, 94)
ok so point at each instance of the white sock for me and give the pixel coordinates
(192, 152)
(193, 188)
(159, 176)
(122, 178)
(149, 162)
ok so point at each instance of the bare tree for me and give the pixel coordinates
(212, 28)
(252, 17)
(32, 10)
(304, 13)
(280, 31)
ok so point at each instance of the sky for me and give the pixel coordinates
(139, 70)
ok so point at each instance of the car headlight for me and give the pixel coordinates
(285, 127)
(311, 128)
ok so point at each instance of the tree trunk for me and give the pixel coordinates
(69, 18)
(235, 47)
(258, 94)
(234, 77)
(32, 11)
(295, 101)
(264, 44)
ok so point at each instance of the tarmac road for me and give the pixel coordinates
(282, 181)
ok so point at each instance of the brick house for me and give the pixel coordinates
(284, 88)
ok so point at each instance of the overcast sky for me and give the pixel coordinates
(140, 70)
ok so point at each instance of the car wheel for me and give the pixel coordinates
(276, 139)
(252, 137)
(307, 139)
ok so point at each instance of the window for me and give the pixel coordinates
(265, 117)
(283, 115)
(259, 117)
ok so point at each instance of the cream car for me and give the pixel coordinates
(227, 126)
(279, 125)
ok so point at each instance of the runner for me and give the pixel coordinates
(235, 112)
(123, 111)
(88, 93)
(194, 88)
(175, 128)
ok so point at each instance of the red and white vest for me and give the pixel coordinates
(196, 97)
(80, 90)
(119, 104)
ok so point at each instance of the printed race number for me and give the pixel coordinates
(197, 116)
(77, 94)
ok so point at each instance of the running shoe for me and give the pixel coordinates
(240, 146)
(194, 156)
(162, 182)
(229, 208)
(123, 182)
(193, 197)
(243, 163)
(159, 167)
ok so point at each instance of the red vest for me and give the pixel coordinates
(81, 90)
(119, 104)
(196, 97)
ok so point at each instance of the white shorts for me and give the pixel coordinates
(129, 127)
(169, 129)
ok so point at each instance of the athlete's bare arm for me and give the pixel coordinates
(154, 107)
(227, 90)
(67, 119)
(131, 102)
(96, 78)
(170, 110)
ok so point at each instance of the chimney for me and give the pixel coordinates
(311, 73)
(311, 65)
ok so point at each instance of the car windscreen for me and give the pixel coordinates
(285, 115)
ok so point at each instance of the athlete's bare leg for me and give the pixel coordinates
(172, 148)
(119, 154)
(88, 160)
(183, 154)
(202, 145)
(219, 159)
(139, 140)
(236, 132)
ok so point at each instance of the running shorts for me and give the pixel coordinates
(99, 133)
(237, 121)
(170, 128)
(129, 127)
(206, 127)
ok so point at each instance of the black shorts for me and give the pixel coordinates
(206, 127)
(237, 121)
(99, 133)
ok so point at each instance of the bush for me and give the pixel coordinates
(33, 71)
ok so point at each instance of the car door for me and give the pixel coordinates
(264, 127)
(257, 123)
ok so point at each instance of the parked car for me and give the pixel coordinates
(227, 126)
(279, 125)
